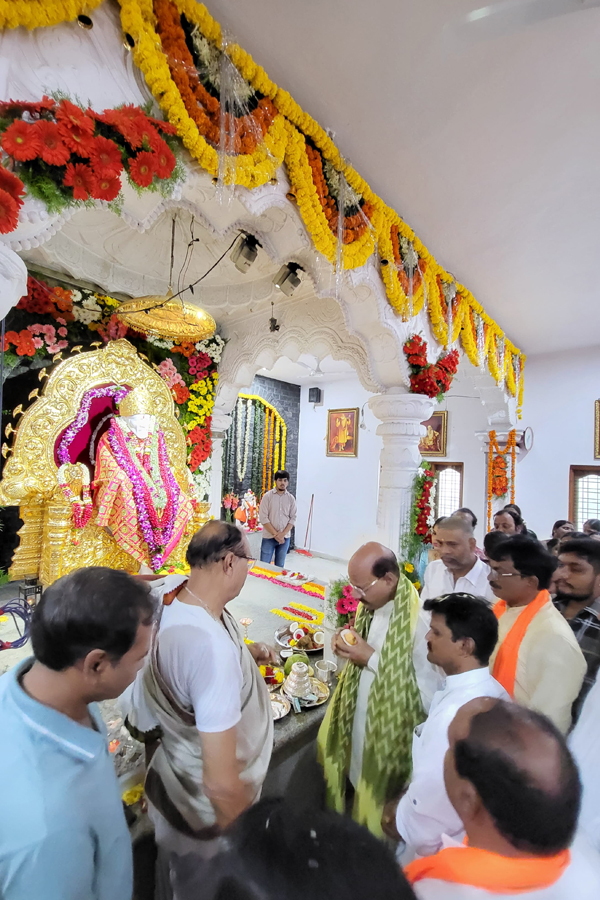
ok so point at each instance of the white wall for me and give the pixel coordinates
(560, 390)
(346, 490)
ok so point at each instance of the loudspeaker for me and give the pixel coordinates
(314, 395)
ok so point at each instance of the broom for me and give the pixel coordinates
(305, 552)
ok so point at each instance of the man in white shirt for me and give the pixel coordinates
(458, 568)
(277, 515)
(514, 784)
(463, 633)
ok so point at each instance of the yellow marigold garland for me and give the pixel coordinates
(40, 13)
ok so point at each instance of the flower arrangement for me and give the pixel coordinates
(499, 479)
(231, 502)
(421, 515)
(65, 155)
(342, 602)
(50, 319)
(432, 379)
(253, 414)
(408, 569)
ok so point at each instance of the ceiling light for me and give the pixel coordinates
(287, 279)
(245, 252)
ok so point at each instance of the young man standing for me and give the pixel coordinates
(463, 634)
(537, 658)
(277, 515)
(577, 581)
(63, 834)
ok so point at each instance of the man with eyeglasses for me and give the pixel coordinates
(537, 658)
(201, 696)
(365, 740)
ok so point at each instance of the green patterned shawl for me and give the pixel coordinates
(393, 711)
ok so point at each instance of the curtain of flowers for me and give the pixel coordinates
(254, 448)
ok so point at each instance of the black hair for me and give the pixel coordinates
(386, 563)
(514, 506)
(282, 473)
(212, 543)
(468, 617)
(275, 851)
(437, 521)
(492, 539)
(529, 557)
(510, 511)
(559, 523)
(574, 536)
(93, 608)
(594, 524)
(587, 548)
(552, 544)
(532, 817)
(465, 509)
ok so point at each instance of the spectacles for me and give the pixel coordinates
(505, 574)
(250, 560)
(363, 591)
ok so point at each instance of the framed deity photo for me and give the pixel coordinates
(434, 441)
(342, 432)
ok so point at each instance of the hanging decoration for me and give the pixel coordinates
(499, 478)
(421, 519)
(52, 319)
(432, 379)
(65, 155)
(39, 13)
(254, 416)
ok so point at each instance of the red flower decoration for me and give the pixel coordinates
(180, 393)
(23, 106)
(150, 137)
(11, 184)
(141, 168)
(164, 161)
(9, 212)
(81, 179)
(22, 340)
(105, 187)
(79, 140)
(105, 157)
(21, 141)
(54, 151)
(72, 116)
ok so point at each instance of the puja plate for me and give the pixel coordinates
(280, 706)
(320, 689)
(283, 637)
(274, 687)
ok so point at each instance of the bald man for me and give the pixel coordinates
(366, 737)
(514, 784)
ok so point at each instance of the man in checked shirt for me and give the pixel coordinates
(578, 599)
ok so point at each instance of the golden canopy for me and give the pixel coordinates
(167, 317)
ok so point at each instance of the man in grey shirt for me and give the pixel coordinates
(277, 515)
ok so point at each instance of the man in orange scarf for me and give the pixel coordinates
(537, 658)
(514, 784)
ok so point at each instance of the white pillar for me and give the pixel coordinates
(401, 415)
(220, 424)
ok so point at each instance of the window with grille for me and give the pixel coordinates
(449, 484)
(584, 494)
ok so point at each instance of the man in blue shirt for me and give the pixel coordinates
(63, 834)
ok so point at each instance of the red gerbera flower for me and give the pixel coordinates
(11, 184)
(106, 158)
(141, 168)
(54, 150)
(73, 116)
(79, 140)
(164, 161)
(164, 126)
(9, 212)
(80, 178)
(21, 141)
(105, 187)
(23, 106)
(149, 135)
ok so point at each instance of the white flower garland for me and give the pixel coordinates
(242, 471)
(202, 479)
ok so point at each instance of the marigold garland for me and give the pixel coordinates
(40, 13)
(498, 479)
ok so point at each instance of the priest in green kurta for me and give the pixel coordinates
(365, 740)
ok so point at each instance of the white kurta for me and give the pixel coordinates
(580, 881)
(550, 666)
(584, 742)
(425, 812)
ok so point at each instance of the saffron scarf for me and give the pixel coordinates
(489, 871)
(393, 711)
(505, 665)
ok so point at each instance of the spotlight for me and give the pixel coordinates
(245, 252)
(287, 279)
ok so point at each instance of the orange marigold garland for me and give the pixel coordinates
(498, 476)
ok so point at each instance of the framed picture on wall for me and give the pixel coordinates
(434, 442)
(597, 430)
(342, 432)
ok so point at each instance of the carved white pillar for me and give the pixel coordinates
(220, 424)
(401, 415)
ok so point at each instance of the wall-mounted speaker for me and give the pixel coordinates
(314, 395)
